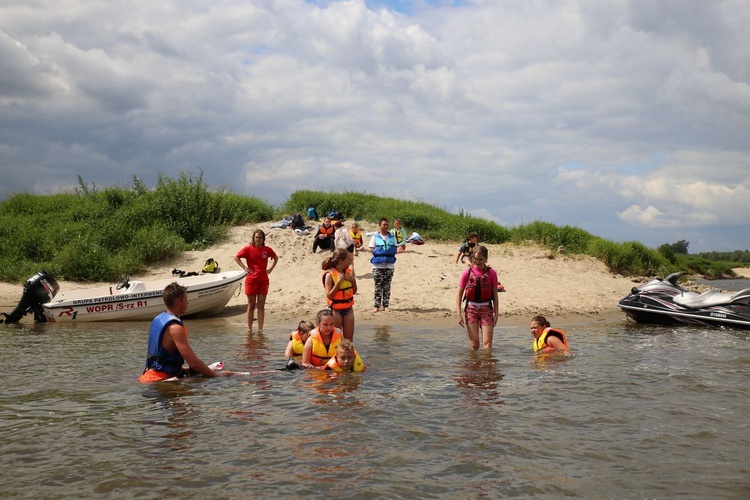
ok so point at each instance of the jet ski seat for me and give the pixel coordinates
(707, 299)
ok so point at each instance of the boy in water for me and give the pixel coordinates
(347, 358)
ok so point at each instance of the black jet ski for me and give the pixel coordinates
(664, 302)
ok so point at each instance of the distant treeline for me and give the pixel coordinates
(100, 234)
(742, 256)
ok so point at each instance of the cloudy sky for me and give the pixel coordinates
(628, 118)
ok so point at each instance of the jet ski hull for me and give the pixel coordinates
(658, 302)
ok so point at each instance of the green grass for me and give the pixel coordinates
(100, 234)
(94, 234)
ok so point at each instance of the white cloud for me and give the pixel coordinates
(619, 116)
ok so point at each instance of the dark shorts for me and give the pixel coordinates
(343, 312)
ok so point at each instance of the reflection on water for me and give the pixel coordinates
(478, 375)
(639, 411)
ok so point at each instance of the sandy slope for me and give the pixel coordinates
(538, 281)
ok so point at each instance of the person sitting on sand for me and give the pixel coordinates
(548, 340)
(324, 236)
(347, 358)
(168, 346)
(356, 235)
(467, 247)
(399, 233)
(298, 338)
(322, 343)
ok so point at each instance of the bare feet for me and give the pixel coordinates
(385, 309)
(375, 310)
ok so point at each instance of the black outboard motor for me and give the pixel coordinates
(38, 290)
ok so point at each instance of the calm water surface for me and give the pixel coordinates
(731, 285)
(639, 412)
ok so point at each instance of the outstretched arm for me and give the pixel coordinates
(179, 337)
(307, 354)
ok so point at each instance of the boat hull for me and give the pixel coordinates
(208, 294)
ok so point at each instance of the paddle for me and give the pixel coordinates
(291, 365)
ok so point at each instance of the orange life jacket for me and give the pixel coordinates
(328, 231)
(320, 352)
(344, 297)
(540, 343)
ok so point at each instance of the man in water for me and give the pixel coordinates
(168, 346)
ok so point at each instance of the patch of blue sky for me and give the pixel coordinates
(653, 162)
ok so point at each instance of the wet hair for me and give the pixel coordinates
(338, 255)
(172, 292)
(260, 232)
(541, 320)
(382, 219)
(471, 235)
(345, 345)
(305, 326)
(322, 314)
(354, 224)
(481, 250)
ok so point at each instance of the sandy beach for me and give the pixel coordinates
(565, 288)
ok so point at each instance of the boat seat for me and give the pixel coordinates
(707, 299)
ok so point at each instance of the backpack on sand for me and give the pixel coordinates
(298, 222)
(210, 266)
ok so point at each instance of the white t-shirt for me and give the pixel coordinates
(342, 238)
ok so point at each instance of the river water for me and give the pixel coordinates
(638, 412)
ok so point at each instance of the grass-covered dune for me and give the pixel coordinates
(100, 234)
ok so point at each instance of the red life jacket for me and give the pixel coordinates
(478, 289)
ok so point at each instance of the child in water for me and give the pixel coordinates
(340, 286)
(548, 340)
(478, 288)
(298, 338)
(347, 359)
(321, 345)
